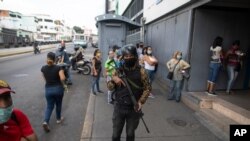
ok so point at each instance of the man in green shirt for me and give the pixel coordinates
(109, 69)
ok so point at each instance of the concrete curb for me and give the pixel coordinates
(23, 50)
(89, 120)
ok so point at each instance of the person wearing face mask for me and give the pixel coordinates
(124, 110)
(150, 63)
(139, 48)
(144, 52)
(234, 63)
(109, 69)
(14, 124)
(177, 65)
(96, 71)
(63, 57)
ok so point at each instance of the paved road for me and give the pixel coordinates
(23, 73)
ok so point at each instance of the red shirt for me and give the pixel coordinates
(13, 131)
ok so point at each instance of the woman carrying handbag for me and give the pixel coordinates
(177, 66)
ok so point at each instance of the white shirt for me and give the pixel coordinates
(216, 52)
(148, 67)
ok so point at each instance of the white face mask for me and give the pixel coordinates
(179, 56)
(149, 51)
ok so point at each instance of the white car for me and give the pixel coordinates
(81, 43)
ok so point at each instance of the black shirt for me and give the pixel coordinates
(98, 64)
(51, 74)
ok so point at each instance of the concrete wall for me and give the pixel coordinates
(167, 36)
(208, 24)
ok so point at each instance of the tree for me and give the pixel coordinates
(78, 29)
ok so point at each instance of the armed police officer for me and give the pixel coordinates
(125, 110)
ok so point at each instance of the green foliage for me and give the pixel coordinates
(78, 29)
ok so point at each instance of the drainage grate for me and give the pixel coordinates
(181, 123)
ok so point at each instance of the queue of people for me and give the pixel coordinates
(232, 61)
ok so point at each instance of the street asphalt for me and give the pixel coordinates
(89, 117)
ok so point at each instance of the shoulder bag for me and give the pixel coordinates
(171, 73)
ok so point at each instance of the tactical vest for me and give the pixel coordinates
(122, 96)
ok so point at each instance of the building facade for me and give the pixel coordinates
(190, 26)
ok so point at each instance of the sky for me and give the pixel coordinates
(74, 12)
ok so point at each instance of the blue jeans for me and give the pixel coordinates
(232, 75)
(95, 82)
(175, 92)
(151, 75)
(122, 115)
(214, 69)
(54, 96)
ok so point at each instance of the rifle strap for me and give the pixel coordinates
(133, 84)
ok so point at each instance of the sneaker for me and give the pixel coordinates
(94, 93)
(151, 95)
(46, 127)
(60, 121)
(211, 93)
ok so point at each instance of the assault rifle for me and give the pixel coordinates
(123, 76)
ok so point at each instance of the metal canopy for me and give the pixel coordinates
(116, 18)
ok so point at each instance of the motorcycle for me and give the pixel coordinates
(83, 66)
(37, 50)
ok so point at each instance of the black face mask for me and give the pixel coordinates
(130, 62)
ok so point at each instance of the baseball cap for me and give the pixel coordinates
(4, 87)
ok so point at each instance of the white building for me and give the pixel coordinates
(22, 27)
(47, 27)
(10, 19)
(87, 33)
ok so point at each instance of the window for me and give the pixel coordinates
(12, 15)
(41, 26)
(45, 27)
(19, 16)
(48, 20)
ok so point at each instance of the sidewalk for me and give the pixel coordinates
(167, 120)
(21, 50)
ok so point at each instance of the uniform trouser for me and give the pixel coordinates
(121, 116)
(73, 62)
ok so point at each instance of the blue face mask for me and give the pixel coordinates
(5, 114)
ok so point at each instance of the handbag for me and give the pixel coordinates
(185, 74)
(171, 73)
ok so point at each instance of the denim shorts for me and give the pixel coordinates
(214, 69)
